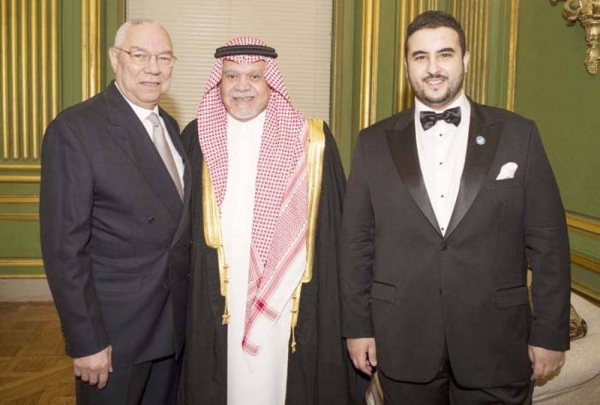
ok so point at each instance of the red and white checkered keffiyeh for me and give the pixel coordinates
(281, 195)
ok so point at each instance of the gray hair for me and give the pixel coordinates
(124, 29)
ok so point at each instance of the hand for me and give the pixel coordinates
(94, 369)
(545, 362)
(363, 354)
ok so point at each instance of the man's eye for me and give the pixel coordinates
(164, 58)
(138, 55)
(256, 77)
(230, 77)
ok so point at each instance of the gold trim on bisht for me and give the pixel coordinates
(212, 233)
(316, 149)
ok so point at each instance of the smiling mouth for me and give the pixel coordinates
(435, 80)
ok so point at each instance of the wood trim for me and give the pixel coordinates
(20, 179)
(586, 262)
(582, 223)
(12, 167)
(587, 292)
(512, 54)
(19, 199)
(19, 217)
(16, 262)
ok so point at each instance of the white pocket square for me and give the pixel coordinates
(507, 171)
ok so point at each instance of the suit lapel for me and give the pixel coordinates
(481, 149)
(127, 130)
(403, 147)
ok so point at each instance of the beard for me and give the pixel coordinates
(433, 100)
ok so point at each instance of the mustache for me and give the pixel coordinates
(435, 77)
(243, 94)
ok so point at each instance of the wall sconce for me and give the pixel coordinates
(587, 12)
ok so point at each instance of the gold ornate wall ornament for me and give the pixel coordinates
(369, 63)
(28, 63)
(90, 44)
(587, 12)
(407, 10)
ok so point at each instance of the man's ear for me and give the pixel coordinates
(466, 61)
(113, 54)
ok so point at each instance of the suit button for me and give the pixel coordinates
(443, 246)
(165, 286)
(151, 219)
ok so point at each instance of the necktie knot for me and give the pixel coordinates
(429, 118)
(153, 118)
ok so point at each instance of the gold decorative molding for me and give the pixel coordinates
(11, 167)
(337, 77)
(408, 10)
(512, 54)
(19, 217)
(474, 16)
(582, 223)
(369, 63)
(54, 58)
(29, 65)
(19, 199)
(587, 12)
(4, 73)
(19, 179)
(22, 276)
(18, 262)
(586, 291)
(90, 44)
(585, 262)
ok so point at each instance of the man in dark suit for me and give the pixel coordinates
(115, 227)
(443, 211)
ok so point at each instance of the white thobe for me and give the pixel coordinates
(263, 380)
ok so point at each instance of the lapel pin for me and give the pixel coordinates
(480, 140)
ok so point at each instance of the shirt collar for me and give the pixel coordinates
(142, 113)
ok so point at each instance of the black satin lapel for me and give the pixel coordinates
(478, 161)
(403, 147)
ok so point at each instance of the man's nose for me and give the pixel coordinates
(242, 84)
(152, 66)
(432, 66)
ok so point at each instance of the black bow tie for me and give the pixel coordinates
(429, 118)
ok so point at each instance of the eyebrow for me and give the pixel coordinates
(139, 48)
(443, 50)
(252, 72)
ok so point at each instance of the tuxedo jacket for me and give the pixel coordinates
(115, 234)
(424, 295)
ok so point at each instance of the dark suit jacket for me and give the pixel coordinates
(415, 290)
(115, 235)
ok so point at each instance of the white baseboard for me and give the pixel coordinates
(24, 289)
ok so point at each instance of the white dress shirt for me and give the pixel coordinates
(442, 150)
(142, 114)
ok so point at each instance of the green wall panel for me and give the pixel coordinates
(554, 89)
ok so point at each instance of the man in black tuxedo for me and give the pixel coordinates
(115, 228)
(446, 204)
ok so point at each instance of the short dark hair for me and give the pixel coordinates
(435, 19)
